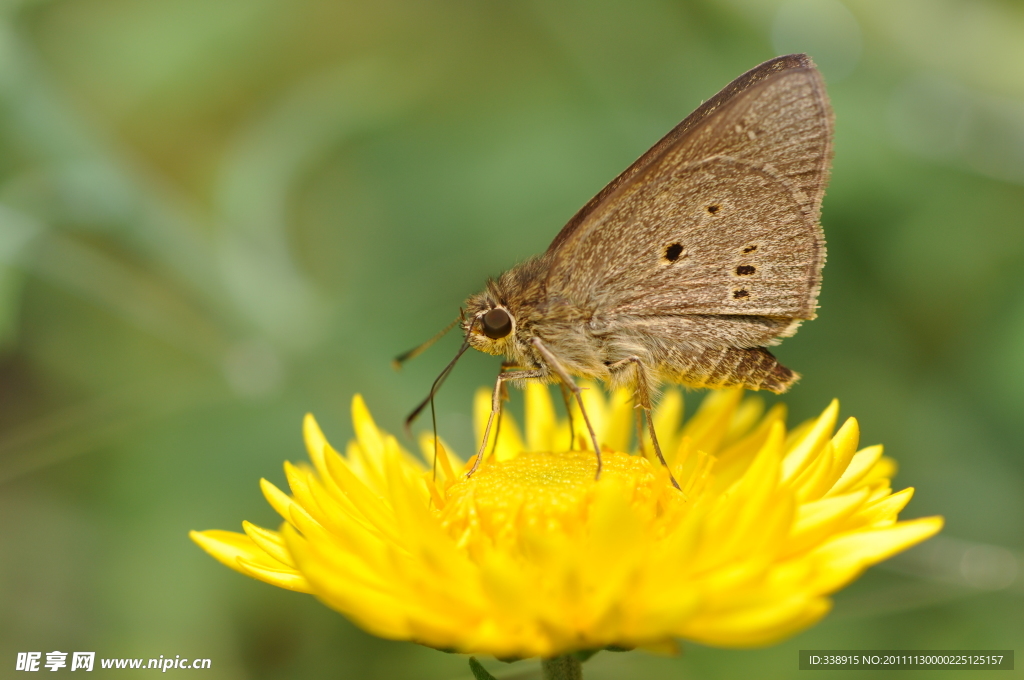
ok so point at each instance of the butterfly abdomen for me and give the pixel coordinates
(754, 369)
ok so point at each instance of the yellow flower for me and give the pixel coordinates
(533, 557)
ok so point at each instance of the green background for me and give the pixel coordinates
(217, 215)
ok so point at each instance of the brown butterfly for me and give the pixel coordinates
(687, 266)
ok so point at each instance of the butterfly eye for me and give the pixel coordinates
(497, 323)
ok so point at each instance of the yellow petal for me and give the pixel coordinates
(802, 452)
(845, 556)
(540, 414)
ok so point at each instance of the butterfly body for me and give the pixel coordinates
(621, 346)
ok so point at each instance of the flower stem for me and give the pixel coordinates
(566, 667)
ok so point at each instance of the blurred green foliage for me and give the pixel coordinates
(216, 215)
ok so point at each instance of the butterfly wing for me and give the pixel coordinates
(720, 217)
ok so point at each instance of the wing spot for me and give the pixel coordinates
(674, 252)
(713, 209)
(749, 249)
(745, 270)
(740, 294)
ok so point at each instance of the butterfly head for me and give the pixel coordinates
(489, 325)
(502, 318)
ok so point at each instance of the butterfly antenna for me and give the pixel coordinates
(433, 390)
(397, 362)
(433, 422)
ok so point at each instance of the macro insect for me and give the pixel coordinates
(702, 254)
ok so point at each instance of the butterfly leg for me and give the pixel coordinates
(496, 406)
(505, 366)
(568, 412)
(639, 425)
(497, 425)
(643, 392)
(567, 380)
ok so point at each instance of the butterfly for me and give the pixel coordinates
(702, 254)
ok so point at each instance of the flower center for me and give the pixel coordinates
(547, 492)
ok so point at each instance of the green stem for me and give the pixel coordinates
(566, 667)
